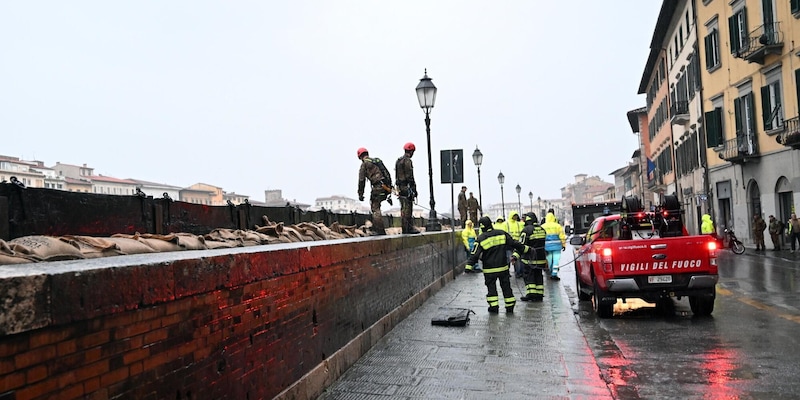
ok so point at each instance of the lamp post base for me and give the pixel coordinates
(433, 223)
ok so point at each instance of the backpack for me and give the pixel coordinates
(387, 177)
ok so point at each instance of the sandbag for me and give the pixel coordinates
(9, 256)
(46, 248)
(130, 245)
(93, 247)
(188, 241)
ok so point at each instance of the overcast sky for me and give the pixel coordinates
(256, 95)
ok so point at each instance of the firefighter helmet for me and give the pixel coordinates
(409, 147)
(361, 152)
(531, 217)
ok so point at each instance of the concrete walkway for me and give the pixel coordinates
(538, 352)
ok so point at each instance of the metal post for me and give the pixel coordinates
(433, 222)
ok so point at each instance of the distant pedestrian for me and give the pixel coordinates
(707, 225)
(491, 250)
(381, 182)
(473, 207)
(793, 230)
(406, 188)
(775, 229)
(462, 205)
(759, 226)
(554, 244)
(535, 260)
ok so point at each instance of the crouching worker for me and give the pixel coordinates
(491, 249)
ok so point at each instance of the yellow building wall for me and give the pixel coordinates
(736, 71)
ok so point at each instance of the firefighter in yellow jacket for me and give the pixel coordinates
(491, 250)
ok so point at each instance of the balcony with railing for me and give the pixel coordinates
(762, 41)
(791, 134)
(679, 112)
(742, 149)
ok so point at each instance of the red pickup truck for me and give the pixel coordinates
(646, 255)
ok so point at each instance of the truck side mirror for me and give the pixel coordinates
(577, 240)
(568, 229)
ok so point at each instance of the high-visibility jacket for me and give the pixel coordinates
(556, 239)
(468, 236)
(514, 227)
(500, 224)
(491, 249)
(707, 226)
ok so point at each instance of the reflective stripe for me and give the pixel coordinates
(534, 262)
(498, 269)
(491, 241)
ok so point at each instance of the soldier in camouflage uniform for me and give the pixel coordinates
(407, 187)
(380, 180)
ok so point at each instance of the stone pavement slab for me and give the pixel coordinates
(538, 352)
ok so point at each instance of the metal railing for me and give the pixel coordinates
(743, 146)
(764, 36)
(679, 107)
(791, 134)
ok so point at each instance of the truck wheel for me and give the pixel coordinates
(702, 306)
(602, 310)
(582, 289)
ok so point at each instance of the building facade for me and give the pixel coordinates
(750, 79)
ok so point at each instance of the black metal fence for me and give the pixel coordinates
(38, 211)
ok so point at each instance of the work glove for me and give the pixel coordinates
(361, 197)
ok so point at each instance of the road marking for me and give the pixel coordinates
(759, 305)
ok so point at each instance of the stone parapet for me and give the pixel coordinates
(235, 323)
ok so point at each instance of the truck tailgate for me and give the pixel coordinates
(663, 256)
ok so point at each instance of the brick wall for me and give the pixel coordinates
(248, 323)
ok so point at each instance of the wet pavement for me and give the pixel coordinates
(538, 352)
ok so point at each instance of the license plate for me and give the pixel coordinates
(659, 279)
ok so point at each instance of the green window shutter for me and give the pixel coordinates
(797, 83)
(737, 113)
(709, 51)
(709, 129)
(751, 112)
(713, 128)
(734, 33)
(766, 108)
(766, 9)
(795, 5)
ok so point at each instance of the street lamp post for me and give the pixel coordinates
(426, 94)
(519, 203)
(530, 196)
(502, 178)
(539, 202)
(477, 157)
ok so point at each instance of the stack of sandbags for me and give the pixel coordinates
(70, 247)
